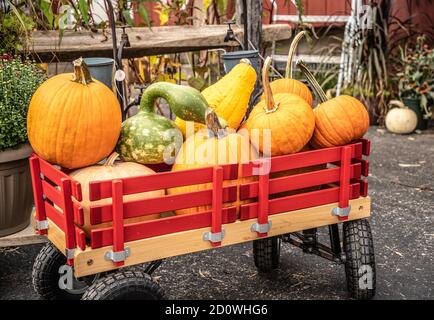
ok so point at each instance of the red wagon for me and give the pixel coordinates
(72, 265)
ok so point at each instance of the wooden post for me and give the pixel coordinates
(254, 21)
(254, 35)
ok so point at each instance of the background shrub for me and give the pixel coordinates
(18, 81)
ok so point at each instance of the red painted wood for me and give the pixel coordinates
(142, 230)
(217, 203)
(263, 192)
(81, 238)
(303, 159)
(78, 214)
(52, 173)
(298, 201)
(118, 218)
(344, 180)
(35, 173)
(365, 167)
(135, 208)
(76, 190)
(68, 213)
(55, 215)
(52, 193)
(102, 189)
(316, 7)
(299, 181)
(363, 187)
(366, 147)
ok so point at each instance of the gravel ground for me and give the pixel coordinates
(402, 189)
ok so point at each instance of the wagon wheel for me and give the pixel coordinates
(266, 253)
(124, 285)
(45, 276)
(360, 259)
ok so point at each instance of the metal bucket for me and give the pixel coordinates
(101, 69)
(231, 59)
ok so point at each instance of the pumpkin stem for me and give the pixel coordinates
(81, 72)
(313, 82)
(246, 61)
(396, 103)
(213, 124)
(270, 105)
(111, 159)
(294, 43)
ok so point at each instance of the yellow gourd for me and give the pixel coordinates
(229, 97)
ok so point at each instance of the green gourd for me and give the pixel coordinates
(149, 138)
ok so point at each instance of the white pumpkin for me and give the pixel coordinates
(400, 120)
(112, 170)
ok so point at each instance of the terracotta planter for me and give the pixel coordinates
(16, 197)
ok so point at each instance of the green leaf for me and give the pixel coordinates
(47, 11)
(84, 10)
(144, 14)
(127, 16)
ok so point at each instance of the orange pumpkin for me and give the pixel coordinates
(202, 150)
(108, 171)
(287, 84)
(338, 121)
(287, 117)
(73, 121)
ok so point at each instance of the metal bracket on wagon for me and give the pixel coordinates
(117, 256)
(261, 228)
(214, 237)
(69, 253)
(41, 225)
(341, 212)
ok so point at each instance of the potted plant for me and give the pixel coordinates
(18, 81)
(416, 80)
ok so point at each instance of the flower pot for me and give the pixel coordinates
(16, 197)
(414, 104)
(101, 69)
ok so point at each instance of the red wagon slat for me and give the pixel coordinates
(304, 159)
(52, 193)
(298, 201)
(55, 215)
(141, 230)
(299, 181)
(164, 180)
(135, 208)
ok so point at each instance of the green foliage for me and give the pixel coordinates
(416, 73)
(18, 81)
(13, 32)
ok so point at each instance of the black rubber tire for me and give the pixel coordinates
(124, 285)
(360, 259)
(266, 253)
(45, 275)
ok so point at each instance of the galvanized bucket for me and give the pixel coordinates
(101, 69)
(231, 59)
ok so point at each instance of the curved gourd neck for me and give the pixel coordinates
(312, 81)
(81, 72)
(292, 48)
(270, 104)
(151, 94)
